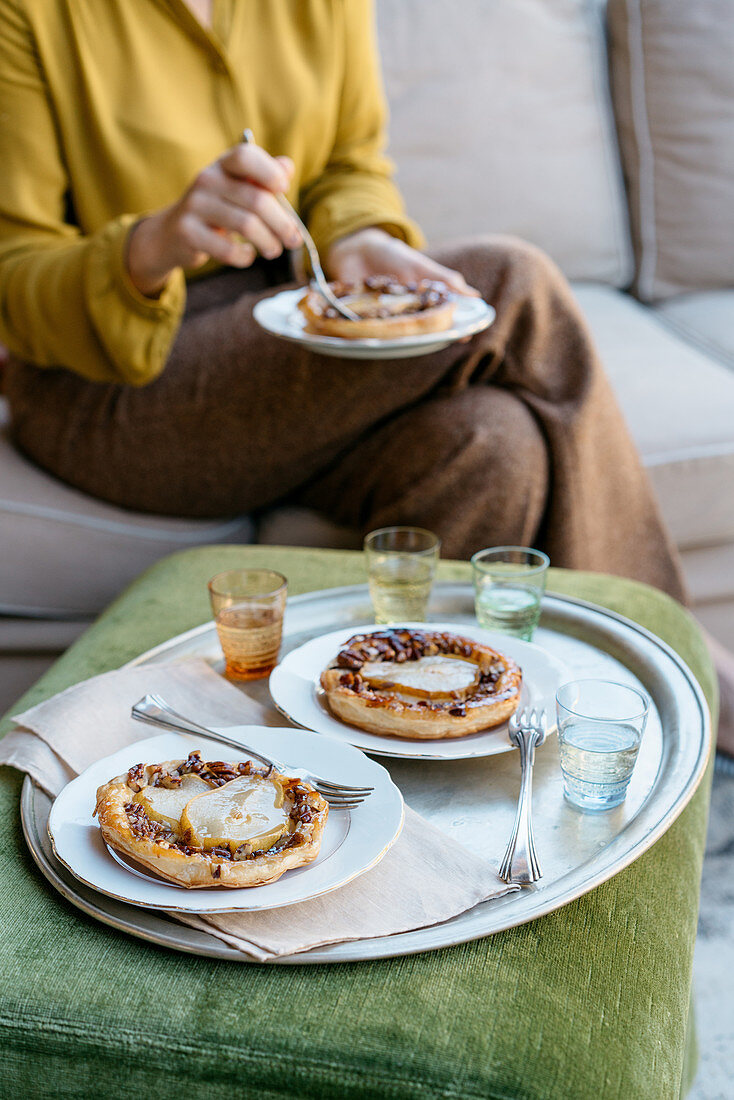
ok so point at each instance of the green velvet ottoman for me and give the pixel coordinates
(591, 1001)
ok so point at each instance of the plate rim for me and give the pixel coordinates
(392, 753)
(261, 309)
(234, 908)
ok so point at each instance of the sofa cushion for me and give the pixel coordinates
(679, 404)
(705, 319)
(710, 575)
(63, 554)
(501, 122)
(291, 525)
(672, 64)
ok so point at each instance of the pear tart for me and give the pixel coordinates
(386, 309)
(421, 684)
(212, 823)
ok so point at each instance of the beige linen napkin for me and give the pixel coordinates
(425, 878)
(56, 740)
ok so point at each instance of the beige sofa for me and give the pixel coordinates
(504, 119)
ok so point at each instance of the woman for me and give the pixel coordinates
(156, 391)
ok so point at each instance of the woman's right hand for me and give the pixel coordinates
(228, 214)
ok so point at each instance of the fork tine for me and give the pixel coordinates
(332, 797)
(339, 794)
(338, 787)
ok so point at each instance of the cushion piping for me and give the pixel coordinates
(693, 336)
(645, 153)
(610, 139)
(696, 453)
(44, 614)
(115, 527)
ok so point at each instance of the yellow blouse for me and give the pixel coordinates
(110, 109)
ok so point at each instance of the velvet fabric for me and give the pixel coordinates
(592, 1000)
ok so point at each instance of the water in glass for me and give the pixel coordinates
(597, 761)
(513, 609)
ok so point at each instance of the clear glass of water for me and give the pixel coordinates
(600, 727)
(401, 565)
(509, 582)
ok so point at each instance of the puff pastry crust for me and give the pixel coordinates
(455, 687)
(386, 308)
(170, 853)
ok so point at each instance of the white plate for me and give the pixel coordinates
(295, 688)
(472, 800)
(353, 840)
(281, 316)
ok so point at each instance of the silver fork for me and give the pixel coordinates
(156, 712)
(313, 252)
(520, 863)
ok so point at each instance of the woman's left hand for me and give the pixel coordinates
(372, 251)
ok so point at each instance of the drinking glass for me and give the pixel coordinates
(401, 565)
(600, 727)
(248, 606)
(509, 582)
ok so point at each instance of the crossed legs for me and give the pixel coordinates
(513, 437)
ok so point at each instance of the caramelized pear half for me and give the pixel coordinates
(166, 805)
(247, 810)
(441, 677)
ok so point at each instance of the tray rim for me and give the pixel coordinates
(152, 926)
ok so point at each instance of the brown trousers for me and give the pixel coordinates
(513, 438)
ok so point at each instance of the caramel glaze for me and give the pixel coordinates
(410, 645)
(216, 773)
(427, 294)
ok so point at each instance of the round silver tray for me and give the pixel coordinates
(473, 800)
